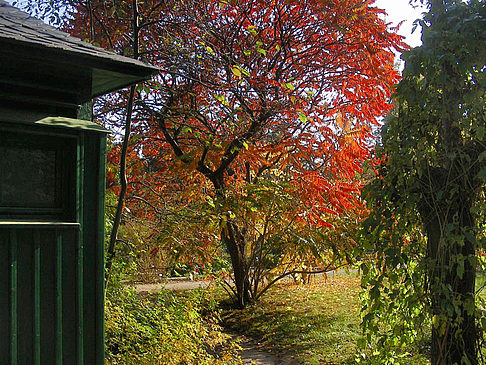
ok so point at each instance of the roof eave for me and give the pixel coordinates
(123, 73)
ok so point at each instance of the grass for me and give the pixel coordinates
(316, 323)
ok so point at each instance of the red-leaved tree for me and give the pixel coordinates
(261, 109)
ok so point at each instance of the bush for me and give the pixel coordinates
(165, 328)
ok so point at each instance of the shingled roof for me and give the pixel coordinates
(19, 29)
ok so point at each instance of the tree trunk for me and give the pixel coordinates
(111, 251)
(233, 239)
(235, 244)
(451, 285)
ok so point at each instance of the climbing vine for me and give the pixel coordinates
(424, 238)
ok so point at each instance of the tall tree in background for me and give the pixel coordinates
(250, 90)
(429, 201)
(255, 101)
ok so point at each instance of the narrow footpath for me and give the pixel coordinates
(251, 354)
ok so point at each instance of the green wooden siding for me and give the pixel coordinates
(51, 271)
(34, 309)
(100, 253)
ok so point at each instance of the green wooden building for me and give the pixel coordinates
(52, 182)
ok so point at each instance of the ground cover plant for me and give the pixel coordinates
(165, 328)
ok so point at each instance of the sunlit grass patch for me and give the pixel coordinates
(317, 323)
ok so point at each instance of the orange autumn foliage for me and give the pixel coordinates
(286, 91)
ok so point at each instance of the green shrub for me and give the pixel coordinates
(165, 328)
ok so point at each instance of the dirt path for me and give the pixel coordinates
(252, 354)
(172, 285)
(187, 284)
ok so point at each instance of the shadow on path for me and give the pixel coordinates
(252, 354)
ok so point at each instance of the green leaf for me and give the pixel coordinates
(221, 99)
(480, 131)
(482, 174)
(252, 29)
(289, 86)
(210, 50)
(244, 71)
(262, 51)
(236, 71)
(303, 118)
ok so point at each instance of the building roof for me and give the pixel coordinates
(110, 71)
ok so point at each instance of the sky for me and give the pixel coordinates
(399, 10)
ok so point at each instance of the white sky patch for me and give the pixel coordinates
(399, 10)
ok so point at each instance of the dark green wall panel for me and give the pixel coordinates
(48, 296)
(69, 301)
(4, 297)
(90, 242)
(51, 273)
(25, 298)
